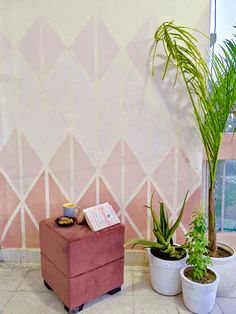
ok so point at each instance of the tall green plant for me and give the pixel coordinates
(211, 93)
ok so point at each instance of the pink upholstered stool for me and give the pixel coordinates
(79, 264)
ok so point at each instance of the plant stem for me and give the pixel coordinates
(211, 222)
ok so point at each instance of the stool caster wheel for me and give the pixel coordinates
(47, 285)
(74, 310)
(113, 291)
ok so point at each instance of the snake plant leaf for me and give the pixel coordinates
(146, 243)
(156, 221)
(178, 220)
(164, 220)
(160, 238)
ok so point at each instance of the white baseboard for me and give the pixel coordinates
(132, 257)
(20, 255)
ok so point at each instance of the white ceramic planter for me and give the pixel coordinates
(199, 298)
(165, 276)
(226, 268)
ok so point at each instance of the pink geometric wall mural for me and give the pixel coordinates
(9, 161)
(8, 202)
(106, 196)
(84, 48)
(56, 198)
(36, 199)
(134, 173)
(13, 238)
(83, 169)
(41, 46)
(95, 59)
(192, 204)
(60, 165)
(163, 177)
(31, 164)
(139, 48)
(136, 212)
(31, 233)
(111, 171)
(88, 199)
(82, 121)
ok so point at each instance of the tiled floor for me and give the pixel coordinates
(22, 292)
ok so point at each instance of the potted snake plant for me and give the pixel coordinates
(212, 94)
(199, 281)
(165, 258)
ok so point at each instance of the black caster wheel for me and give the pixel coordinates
(47, 285)
(113, 291)
(74, 310)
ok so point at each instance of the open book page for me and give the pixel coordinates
(100, 216)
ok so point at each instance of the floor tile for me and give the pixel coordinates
(127, 287)
(227, 305)
(142, 285)
(55, 306)
(11, 278)
(183, 310)
(110, 304)
(28, 303)
(4, 298)
(155, 304)
(32, 282)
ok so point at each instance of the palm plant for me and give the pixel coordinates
(163, 232)
(212, 94)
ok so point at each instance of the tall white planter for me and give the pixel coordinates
(226, 267)
(199, 298)
(165, 276)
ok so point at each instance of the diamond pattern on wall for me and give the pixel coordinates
(70, 88)
(9, 161)
(130, 233)
(95, 62)
(83, 169)
(192, 205)
(41, 46)
(13, 237)
(8, 202)
(56, 199)
(60, 165)
(139, 48)
(83, 107)
(106, 196)
(88, 199)
(137, 211)
(188, 179)
(175, 176)
(111, 171)
(133, 172)
(4, 46)
(31, 233)
(31, 164)
(36, 199)
(78, 169)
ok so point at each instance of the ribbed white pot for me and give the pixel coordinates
(199, 298)
(226, 268)
(164, 274)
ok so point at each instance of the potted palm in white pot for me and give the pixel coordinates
(165, 258)
(212, 95)
(199, 281)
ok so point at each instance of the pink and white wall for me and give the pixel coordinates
(81, 118)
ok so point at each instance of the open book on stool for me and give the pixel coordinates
(100, 216)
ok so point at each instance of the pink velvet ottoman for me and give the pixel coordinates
(79, 264)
